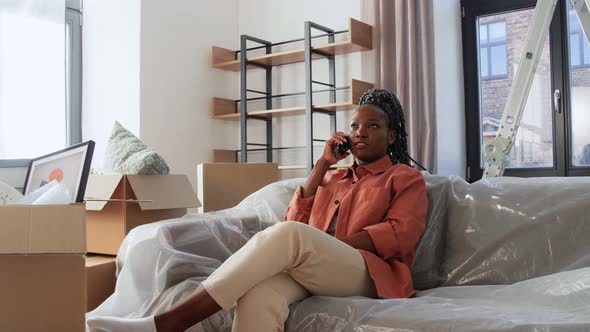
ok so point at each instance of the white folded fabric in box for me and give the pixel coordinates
(53, 193)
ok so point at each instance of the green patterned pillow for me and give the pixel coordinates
(126, 154)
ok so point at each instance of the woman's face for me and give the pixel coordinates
(369, 134)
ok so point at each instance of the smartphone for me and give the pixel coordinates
(341, 148)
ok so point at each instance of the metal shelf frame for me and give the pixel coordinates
(309, 82)
(244, 95)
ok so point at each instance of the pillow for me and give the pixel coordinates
(126, 154)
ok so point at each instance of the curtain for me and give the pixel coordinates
(32, 78)
(402, 61)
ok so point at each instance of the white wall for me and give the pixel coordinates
(448, 53)
(111, 81)
(147, 64)
(177, 80)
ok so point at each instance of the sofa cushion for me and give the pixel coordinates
(426, 272)
(127, 154)
(504, 230)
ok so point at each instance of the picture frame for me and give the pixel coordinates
(70, 166)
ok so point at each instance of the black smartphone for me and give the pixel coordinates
(341, 148)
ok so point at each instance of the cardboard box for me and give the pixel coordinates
(130, 201)
(42, 282)
(224, 185)
(100, 279)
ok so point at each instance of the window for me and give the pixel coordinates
(579, 94)
(40, 83)
(492, 50)
(552, 139)
(579, 47)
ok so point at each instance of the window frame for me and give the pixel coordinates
(488, 46)
(73, 16)
(472, 9)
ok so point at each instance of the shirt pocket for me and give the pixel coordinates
(370, 205)
(321, 207)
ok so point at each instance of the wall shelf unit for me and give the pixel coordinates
(358, 38)
(328, 100)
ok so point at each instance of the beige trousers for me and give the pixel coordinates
(283, 264)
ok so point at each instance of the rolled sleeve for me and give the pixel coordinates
(299, 208)
(405, 220)
(384, 239)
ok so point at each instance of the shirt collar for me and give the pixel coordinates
(377, 167)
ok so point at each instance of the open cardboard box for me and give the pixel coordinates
(42, 279)
(127, 201)
(224, 185)
(100, 279)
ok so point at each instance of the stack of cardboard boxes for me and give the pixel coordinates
(47, 282)
(42, 251)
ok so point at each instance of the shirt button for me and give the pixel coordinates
(336, 202)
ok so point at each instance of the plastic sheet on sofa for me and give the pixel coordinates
(510, 255)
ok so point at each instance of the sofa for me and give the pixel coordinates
(500, 254)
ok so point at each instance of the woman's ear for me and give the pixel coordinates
(391, 137)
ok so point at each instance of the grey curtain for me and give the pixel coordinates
(402, 61)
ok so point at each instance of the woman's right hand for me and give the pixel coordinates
(330, 146)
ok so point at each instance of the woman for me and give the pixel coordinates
(366, 222)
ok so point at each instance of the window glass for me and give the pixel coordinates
(483, 33)
(497, 31)
(484, 62)
(498, 56)
(579, 89)
(575, 49)
(533, 145)
(32, 86)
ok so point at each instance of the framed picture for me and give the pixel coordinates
(69, 167)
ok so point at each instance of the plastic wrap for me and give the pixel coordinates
(558, 302)
(504, 230)
(512, 235)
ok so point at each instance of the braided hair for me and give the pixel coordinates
(394, 115)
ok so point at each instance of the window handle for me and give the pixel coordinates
(556, 101)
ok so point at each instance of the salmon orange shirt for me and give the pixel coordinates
(388, 201)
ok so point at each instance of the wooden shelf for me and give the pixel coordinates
(225, 109)
(337, 166)
(360, 39)
(287, 168)
(230, 156)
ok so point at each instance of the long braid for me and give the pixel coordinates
(388, 102)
